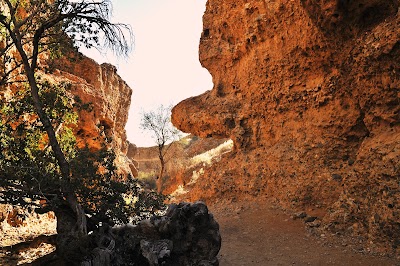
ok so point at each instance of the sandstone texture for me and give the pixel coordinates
(309, 91)
(107, 98)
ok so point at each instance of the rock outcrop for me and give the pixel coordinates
(310, 93)
(107, 98)
(186, 235)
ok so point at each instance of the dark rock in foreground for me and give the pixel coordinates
(186, 235)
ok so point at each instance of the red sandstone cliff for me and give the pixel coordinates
(310, 93)
(109, 97)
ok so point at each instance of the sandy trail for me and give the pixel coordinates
(256, 234)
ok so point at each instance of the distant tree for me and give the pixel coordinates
(158, 123)
(39, 159)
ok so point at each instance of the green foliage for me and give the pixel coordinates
(105, 193)
(39, 158)
(29, 171)
(57, 28)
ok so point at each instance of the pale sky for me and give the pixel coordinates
(164, 66)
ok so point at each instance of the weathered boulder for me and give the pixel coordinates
(186, 235)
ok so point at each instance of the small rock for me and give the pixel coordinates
(337, 177)
(315, 223)
(310, 219)
(299, 215)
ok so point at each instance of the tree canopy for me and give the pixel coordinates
(37, 26)
(40, 164)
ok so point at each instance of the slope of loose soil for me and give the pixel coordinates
(255, 233)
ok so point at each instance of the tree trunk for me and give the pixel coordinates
(79, 228)
(162, 170)
(69, 194)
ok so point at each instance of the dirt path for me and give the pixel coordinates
(256, 234)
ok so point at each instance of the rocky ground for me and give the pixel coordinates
(256, 233)
(17, 229)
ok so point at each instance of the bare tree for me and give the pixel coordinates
(158, 123)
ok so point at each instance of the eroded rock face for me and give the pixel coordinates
(309, 92)
(109, 99)
(349, 17)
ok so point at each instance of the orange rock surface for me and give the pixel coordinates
(108, 98)
(310, 93)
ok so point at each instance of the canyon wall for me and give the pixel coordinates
(309, 92)
(108, 99)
